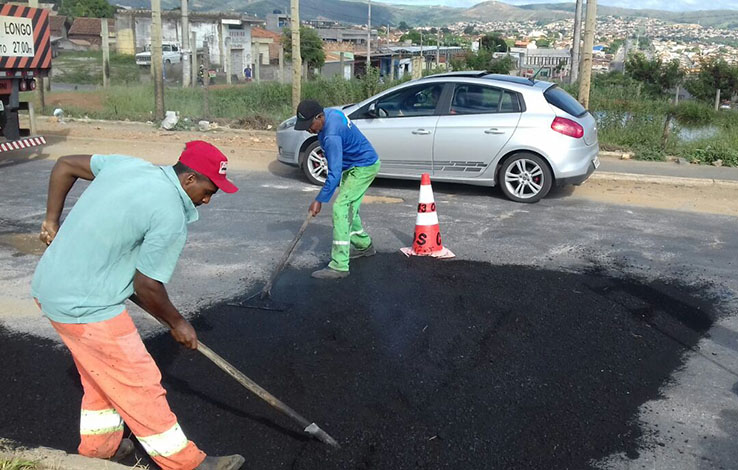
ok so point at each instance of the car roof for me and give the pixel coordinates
(520, 83)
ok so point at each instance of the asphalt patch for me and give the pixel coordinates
(410, 364)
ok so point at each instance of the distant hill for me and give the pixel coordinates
(355, 12)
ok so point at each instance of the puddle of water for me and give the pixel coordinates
(23, 243)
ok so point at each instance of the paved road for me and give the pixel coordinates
(567, 334)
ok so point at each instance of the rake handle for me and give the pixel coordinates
(252, 386)
(268, 286)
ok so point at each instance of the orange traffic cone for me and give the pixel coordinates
(427, 241)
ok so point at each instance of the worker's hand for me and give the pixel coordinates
(315, 207)
(185, 334)
(48, 231)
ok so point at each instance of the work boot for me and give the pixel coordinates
(125, 449)
(228, 462)
(368, 251)
(330, 273)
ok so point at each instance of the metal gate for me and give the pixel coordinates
(237, 62)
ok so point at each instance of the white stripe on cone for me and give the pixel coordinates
(427, 218)
(426, 194)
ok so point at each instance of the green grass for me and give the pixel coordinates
(17, 464)
(252, 105)
(85, 68)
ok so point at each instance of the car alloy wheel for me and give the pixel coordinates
(526, 178)
(316, 165)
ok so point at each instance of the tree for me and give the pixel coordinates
(502, 65)
(434, 31)
(445, 30)
(403, 26)
(469, 30)
(493, 42)
(311, 46)
(714, 74)
(658, 78)
(87, 9)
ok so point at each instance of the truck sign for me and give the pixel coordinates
(16, 37)
(24, 39)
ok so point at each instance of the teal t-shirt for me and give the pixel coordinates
(133, 216)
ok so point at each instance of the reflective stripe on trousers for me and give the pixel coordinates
(122, 383)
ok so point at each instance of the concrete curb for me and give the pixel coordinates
(671, 180)
(53, 459)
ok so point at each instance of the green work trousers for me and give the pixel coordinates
(347, 229)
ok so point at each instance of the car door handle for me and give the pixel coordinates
(421, 132)
(494, 130)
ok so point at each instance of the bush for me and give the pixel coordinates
(693, 112)
(713, 153)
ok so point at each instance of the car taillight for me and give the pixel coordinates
(567, 127)
(32, 84)
(22, 85)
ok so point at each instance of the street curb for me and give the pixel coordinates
(51, 459)
(671, 180)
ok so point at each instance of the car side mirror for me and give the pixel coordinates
(372, 110)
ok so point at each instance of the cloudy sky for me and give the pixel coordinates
(673, 5)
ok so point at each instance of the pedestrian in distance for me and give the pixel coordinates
(247, 73)
(201, 75)
(122, 240)
(353, 164)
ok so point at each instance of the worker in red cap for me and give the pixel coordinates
(122, 240)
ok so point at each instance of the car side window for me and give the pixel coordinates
(412, 101)
(479, 99)
(174, 48)
(166, 48)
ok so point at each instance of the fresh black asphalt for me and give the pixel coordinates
(409, 364)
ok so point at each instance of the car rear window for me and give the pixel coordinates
(564, 101)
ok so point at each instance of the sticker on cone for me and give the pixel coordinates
(427, 240)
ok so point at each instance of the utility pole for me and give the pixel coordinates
(157, 59)
(281, 63)
(185, 45)
(296, 57)
(39, 81)
(369, 38)
(422, 67)
(589, 33)
(105, 52)
(575, 53)
(193, 46)
(438, 47)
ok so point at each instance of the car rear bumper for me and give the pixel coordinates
(579, 179)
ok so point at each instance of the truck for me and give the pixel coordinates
(171, 54)
(25, 55)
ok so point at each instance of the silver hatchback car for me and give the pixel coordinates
(467, 127)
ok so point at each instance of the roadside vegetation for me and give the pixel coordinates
(85, 68)
(635, 111)
(17, 464)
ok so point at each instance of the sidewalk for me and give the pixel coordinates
(612, 168)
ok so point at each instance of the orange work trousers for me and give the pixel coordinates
(123, 384)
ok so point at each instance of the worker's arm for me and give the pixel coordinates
(63, 176)
(333, 150)
(151, 295)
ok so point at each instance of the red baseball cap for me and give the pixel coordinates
(207, 160)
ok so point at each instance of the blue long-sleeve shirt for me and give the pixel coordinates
(344, 146)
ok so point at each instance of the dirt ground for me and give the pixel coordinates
(255, 150)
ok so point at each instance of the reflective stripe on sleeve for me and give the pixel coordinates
(360, 232)
(166, 444)
(93, 422)
(339, 242)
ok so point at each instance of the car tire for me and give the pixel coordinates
(314, 164)
(168, 62)
(525, 177)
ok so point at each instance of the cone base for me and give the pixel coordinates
(444, 253)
